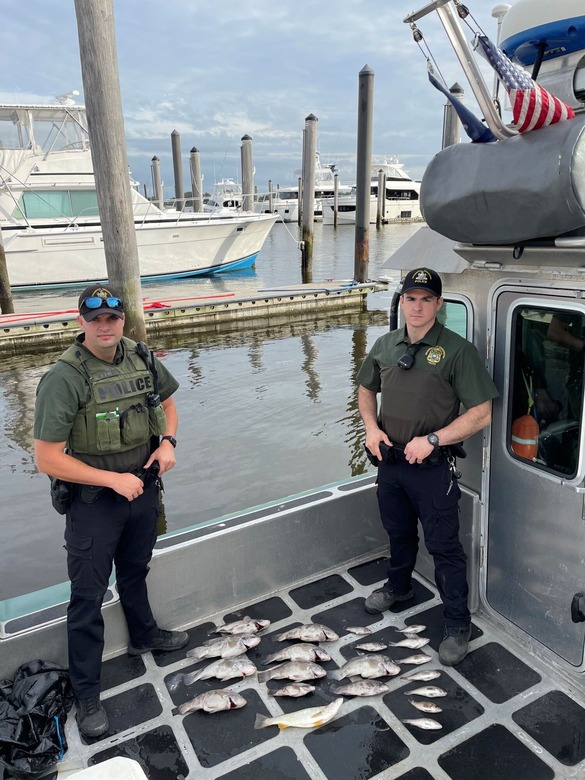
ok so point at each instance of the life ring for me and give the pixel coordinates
(525, 432)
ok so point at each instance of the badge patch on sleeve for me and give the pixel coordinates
(434, 355)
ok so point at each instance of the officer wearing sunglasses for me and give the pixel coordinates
(424, 373)
(105, 426)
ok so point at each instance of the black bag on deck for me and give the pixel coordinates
(33, 711)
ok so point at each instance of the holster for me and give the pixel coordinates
(60, 495)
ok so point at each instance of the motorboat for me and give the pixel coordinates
(226, 198)
(401, 202)
(50, 221)
(285, 200)
(515, 706)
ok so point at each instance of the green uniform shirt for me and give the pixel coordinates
(63, 391)
(446, 373)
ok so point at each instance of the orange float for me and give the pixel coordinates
(525, 432)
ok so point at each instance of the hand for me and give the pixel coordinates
(165, 454)
(373, 439)
(128, 485)
(418, 449)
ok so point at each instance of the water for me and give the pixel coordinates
(264, 413)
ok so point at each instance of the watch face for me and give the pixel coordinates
(433, 439)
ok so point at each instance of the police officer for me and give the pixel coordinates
(104, 419)
(423, 372)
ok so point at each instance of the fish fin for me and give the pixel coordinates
(260, 723)
(282, 726)
(264, 676)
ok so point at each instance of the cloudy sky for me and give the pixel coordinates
(219, 69)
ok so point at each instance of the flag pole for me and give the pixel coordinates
(473, 73)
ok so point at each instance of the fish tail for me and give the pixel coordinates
(336, 674)
(335, 689)
(260, 722)
(191, 677)
(264, 676)
(271, 692)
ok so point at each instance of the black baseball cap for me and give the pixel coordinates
(106, 293)
(423, 279)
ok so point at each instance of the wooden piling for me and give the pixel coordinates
(196, 179)
(156, 182)
(381, 199)
(101, 86)
(178, 170)
(270, 197)
(363, 175)
(308, 200)
(6, 302)
(335, 197)
(247, 174)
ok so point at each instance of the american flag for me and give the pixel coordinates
(532, 105)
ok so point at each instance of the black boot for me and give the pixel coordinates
(92, 719)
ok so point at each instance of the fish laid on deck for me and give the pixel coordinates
(420, 658)
(430, 691)
(426, 706)
(362, 630)
(213, 701)
(302, 719)
(223, 669)
(414, 629)
(244, 626)
(372, 647)
(293, 670)
(423, 674)
(412, 643)
(361, 688)
(299, 652)
(226, 647)
(367, 666)
(423, 723)
(294, 690)
(309, 632)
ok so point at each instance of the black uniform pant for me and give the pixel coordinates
(408, 492)
(104, 529)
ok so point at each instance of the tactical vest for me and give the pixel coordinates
(117, 416)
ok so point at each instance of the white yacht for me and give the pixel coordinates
(286, 199)
(49, 214)
(402, 201)
(226, 198)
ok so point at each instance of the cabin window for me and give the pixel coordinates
(453, 315)
(47, 204)
(546, 388)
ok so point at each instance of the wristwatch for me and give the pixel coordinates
(172, 440)
(434, 440)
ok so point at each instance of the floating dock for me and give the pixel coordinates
(43, 331)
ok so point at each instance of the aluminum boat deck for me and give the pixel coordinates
(504, 718)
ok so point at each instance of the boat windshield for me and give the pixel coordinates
(43, 129)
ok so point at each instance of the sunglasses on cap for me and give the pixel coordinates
(95, 302)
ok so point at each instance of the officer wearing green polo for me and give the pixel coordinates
(105, 423)
(424, 373)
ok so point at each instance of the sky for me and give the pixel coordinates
(216, 70)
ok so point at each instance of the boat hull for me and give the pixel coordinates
(48, 257)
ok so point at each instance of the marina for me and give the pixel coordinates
(271, 514)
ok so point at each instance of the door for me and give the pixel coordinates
(535, 534)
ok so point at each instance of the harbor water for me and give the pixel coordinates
(265, 412)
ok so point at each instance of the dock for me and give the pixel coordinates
(44, 331)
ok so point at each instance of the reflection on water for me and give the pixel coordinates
(264, 413)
